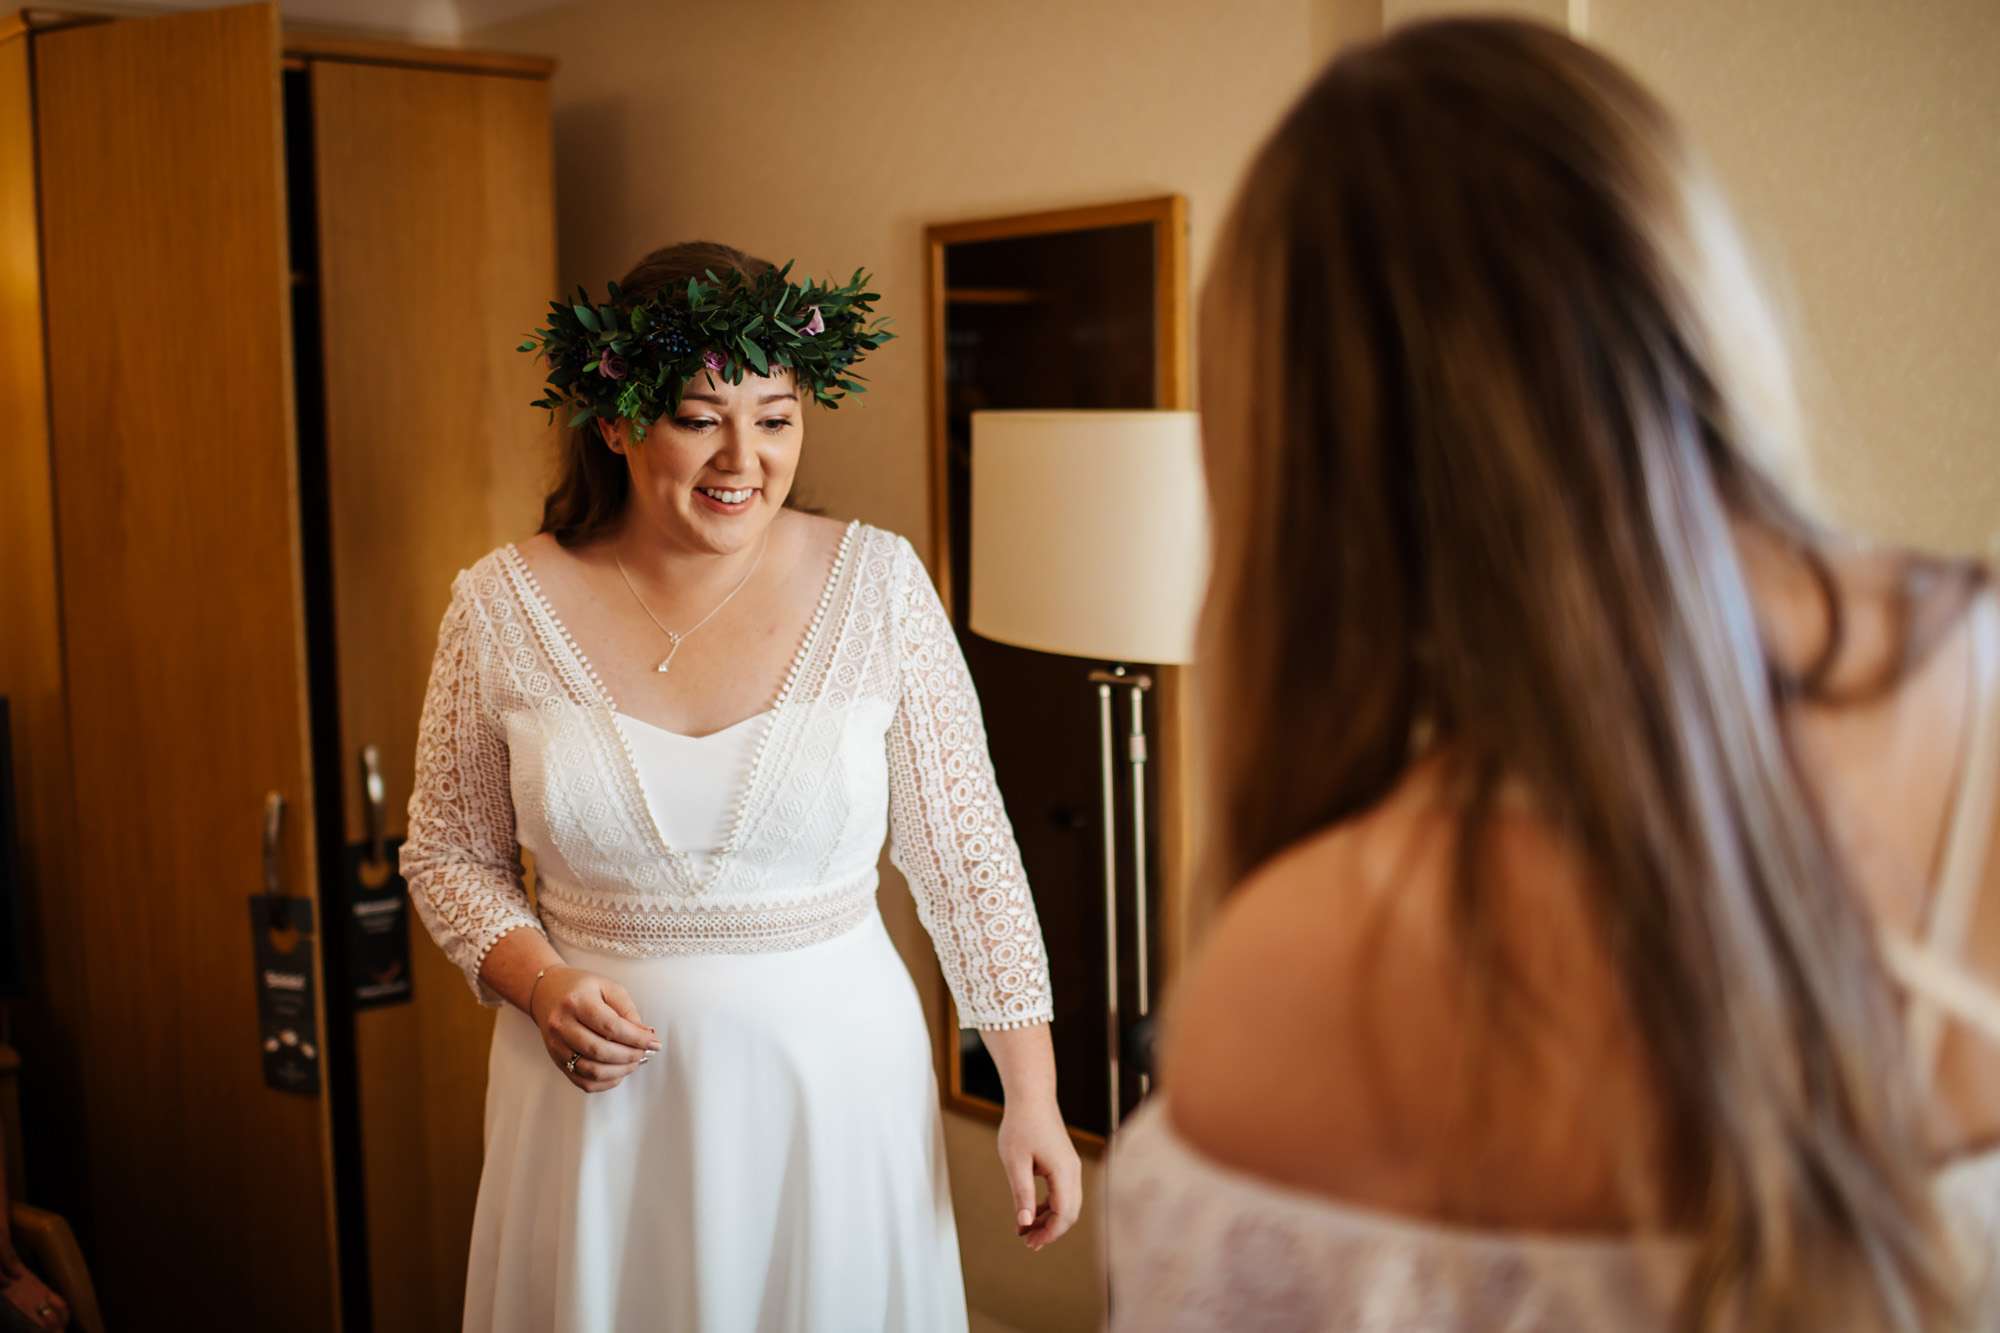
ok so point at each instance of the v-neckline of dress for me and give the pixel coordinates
(605, 709)
(657, 729)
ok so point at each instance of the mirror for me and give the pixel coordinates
(1084, 308)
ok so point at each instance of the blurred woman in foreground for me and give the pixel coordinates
(1610, 901)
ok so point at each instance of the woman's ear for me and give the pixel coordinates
(612, 433)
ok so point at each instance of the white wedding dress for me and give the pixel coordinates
(779, 1164)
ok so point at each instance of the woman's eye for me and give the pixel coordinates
(776, 423)
(694, 423)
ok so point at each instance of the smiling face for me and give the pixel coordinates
(712, 476)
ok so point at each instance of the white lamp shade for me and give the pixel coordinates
(1089, 533)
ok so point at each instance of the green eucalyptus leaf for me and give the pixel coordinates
(585, 317)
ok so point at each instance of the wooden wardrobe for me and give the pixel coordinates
(259, 400)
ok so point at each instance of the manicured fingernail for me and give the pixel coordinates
(1024, 1217)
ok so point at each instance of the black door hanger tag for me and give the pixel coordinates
(281, 929)
(378, 926)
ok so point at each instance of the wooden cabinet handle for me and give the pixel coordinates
(274, 832)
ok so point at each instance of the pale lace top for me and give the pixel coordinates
(1197, 1244)
(875, 733)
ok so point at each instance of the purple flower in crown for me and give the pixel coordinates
(815, 325)
(712, 360)
(612, 366)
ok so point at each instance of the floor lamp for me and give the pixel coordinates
(1090, 538)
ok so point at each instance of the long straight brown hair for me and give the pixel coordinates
(1488, 394)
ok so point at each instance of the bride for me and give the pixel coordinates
(710, 1101)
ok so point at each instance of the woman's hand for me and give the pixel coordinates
(1034, 1142)
(38, 1305)
(594, 1019)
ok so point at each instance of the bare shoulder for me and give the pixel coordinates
(543, 554)
(538, 545)
(1332, 1035)
(564, 575)
(817, 532)
(810, 542)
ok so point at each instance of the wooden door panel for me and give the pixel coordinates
(48, 1034)
(436, 256)
(172, 449)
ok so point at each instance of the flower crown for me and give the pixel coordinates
(631, 359)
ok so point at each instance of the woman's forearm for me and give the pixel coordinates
(512, 962)
(1026, 1060)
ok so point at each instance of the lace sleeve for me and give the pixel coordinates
(460, 858)
(948, 831)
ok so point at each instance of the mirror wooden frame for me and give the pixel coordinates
(1172, 389)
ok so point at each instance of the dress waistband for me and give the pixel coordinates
(644, 926)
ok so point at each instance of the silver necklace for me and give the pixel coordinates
(673, 639)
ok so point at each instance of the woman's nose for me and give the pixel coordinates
(734, 452)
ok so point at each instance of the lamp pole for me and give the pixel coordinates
(1137, 683)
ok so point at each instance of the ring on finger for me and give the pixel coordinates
(569, 1065)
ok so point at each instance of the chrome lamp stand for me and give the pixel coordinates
(1136, 683)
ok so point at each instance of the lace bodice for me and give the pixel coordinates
(1197, 1245)
(876, 732)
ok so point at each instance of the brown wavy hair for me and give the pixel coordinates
(592, 483)
(1487, 396)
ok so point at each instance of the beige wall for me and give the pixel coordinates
(1860, 144)
(834, 131)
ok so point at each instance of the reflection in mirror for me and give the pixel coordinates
(1082, 309)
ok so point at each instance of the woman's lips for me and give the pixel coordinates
(726, 500)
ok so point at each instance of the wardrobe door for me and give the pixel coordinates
(169, 344)
(43, 1025)
(436, 257)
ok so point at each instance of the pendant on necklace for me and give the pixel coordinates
(667, 662)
